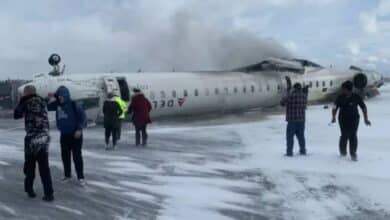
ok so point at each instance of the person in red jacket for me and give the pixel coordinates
(140, 107)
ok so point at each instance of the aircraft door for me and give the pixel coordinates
(111, 85)
(124, 89)
(288, 83)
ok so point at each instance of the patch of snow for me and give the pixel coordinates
(127, 166)
(8, 209)
(3, 163)
(195, 198)
(11, 152)
(140, 196)
(104, 185)
(107, 156)
(70, 210)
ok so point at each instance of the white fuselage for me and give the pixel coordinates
(193, 93)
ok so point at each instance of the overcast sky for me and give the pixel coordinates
(126, 35)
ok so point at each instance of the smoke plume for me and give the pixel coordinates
(187, 44)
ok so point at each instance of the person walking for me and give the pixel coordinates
(346, 103)
(140, 107)
(71, 120)
(36, 142)
(112, 112)
(123, 105)
(296, 103)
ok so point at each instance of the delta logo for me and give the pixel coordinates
(181, 101)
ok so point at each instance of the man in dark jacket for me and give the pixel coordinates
(112, 112)
(70, 119)
(347, 103)
(36, 143)
(296, 103)
(140, 107)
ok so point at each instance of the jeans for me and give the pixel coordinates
(72, 146)
(114, 132)
(141, 131)
(42, 158)
(295, 128)
(119, 131)
(349, 130)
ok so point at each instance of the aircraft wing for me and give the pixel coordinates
(273, 65)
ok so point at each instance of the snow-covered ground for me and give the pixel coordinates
(227, 168)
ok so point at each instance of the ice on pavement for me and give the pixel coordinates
(231, 167)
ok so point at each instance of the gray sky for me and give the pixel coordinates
(119, 35)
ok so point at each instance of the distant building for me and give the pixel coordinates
(9, 93)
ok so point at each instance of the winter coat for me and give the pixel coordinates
(112, 112)
(70, 117)
(122, 104)
(33, 109)
(140, 108)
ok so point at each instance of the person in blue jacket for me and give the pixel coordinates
(70, 119)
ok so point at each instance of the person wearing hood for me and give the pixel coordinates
(70, 119)
(140, 107)
(112, 112)
(32, 108)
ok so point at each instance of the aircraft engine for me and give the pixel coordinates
(360, 81)
(54, 59)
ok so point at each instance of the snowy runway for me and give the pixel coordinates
(233, 170)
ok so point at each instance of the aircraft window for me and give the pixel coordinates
(310, 84)
(226, 90)
(207, 92)
(89, 103)
(235, 90)
(162, 95)
(244, 89)
(317, 84)
(323, 83)
(216, 91)
(196, 92)
(152, 95)
(174, 94)
(268, 87)
(185, 93)
(331, 83)
(279, 87)
(252, 88)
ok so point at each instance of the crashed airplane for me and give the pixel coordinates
(192, 93)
